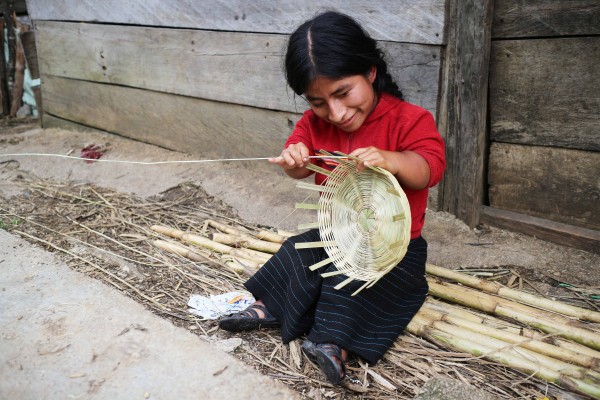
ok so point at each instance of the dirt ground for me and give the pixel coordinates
(258, 194)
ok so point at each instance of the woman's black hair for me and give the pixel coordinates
(335, 46)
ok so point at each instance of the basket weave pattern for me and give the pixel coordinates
(364, 221)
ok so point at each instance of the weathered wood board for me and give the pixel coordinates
(546, 92)
(416, 70)
(564, 234)
(463, 107)
(31, 55)
(393, 20)
(176, 122)
(536, 18)
(561, 185)
(233, 67)
(19, 6)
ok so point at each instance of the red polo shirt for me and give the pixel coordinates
(393, 125)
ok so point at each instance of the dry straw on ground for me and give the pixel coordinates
(108, 235)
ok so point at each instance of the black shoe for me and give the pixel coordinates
(249, 320)
(329, 357)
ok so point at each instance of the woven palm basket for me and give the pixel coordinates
(364, 222)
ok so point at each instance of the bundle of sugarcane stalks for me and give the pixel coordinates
(553, 341)
(240, 251)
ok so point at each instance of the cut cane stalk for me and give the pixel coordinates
(343, 283)
(366, 284)
(503, 325)
(308, 206)
(510, 357)
(316, 168)
(247, 263)
(398, 217)
(534, 317)
(270, 236)
(501, 345)
(495, 288)
(172, 232)
(454, 310)
(238, 267)
(206, 243)
(285, 233)
(451, 293)
(488, 302)
(236, 237)
(252, 242)
(226, 228)
(580, 335)
(246, 242)
(312, 186)
(320, 264)
(309, 225)
(528, 343)
(179, 249)
(312, 245)
(332, 273)
(192, 238)
(249, 254)
(571, 346)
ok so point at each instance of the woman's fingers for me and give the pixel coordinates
(294, 156)
(374, 157)
(368, 157)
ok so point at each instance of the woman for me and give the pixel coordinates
(356, 108)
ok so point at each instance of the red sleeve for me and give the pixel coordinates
(423, 138)
(302, 133)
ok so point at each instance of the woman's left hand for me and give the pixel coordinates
(374, 157)
(411, 170)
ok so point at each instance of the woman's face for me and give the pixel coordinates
(345, 103)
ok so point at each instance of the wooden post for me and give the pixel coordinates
(463, 107)
(29, 47)
(9, 18)
(3, 83)
(20, 6)
(17, 94)
(28, 41)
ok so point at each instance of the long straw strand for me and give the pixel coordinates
(150, 162)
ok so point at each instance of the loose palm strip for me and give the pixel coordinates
(363, 220)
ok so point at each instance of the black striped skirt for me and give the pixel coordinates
(305, 303)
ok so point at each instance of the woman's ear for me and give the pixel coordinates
(372, 74)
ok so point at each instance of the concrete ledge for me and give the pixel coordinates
(65, 335)
(449, 389)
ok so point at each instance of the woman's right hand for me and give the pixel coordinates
(294, 156)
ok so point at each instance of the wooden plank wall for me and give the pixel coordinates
(399, 20)
(176, 122)
(199, 77)
(463, 107)
(232, 67)
(544, 113)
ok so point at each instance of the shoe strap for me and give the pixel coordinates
(333, 350)
(251, 311)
